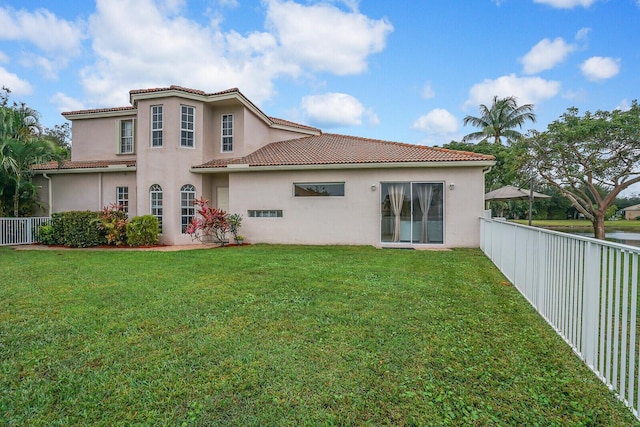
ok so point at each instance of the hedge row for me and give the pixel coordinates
(81, 229)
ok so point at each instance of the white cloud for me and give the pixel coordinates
(164, 49)
(427, 91)
(4, 58)
(546, 55)
(336, 110)
(624, 105)
(438, 121)
(600, 68)
(17, 85)
(58, 39)
(66, 103)
(325, 38)
(527, 90)
(566, 4)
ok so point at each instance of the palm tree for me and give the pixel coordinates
(499, 120)
(21, 146)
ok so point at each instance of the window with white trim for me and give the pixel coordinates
(156, 125)
(187, 126)
(187, 209)
(227, 133)
(122, 198)
(125, 136)
(155, 198)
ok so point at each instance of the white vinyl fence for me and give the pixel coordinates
(586, 289)
(21, 231)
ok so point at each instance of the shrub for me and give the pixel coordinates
(76, 229)
(235, 221)
(143, 231)
(211, 224)
(45, 235)
(114, 224)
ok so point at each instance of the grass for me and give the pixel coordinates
(627, 225)
(282, 336)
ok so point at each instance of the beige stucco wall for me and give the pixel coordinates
(354, 218)
(97, 139)
(87, 191)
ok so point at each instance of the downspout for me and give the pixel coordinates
(49, 192)
(99, 192)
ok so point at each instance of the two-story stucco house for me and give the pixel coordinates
(291, 183)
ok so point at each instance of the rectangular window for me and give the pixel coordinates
(126, 137)
(412, 212)
(265, 213)
(227, 132)
(315, 189)
(156, 126)
(122, 198)
(187, 126)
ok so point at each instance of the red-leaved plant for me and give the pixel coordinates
(210, 224)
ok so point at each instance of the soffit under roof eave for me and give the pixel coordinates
(85, 170)
(338, 166)
(101, 114)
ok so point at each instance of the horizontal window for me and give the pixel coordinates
(313, 189)
(277, 213)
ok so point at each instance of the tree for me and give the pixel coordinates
(504, 172)
(500, 120)
(22, 144)
(589, 159)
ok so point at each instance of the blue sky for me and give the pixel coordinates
(401, 70)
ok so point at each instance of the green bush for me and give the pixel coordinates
(143, 231)
(78, 229)
(45, 235)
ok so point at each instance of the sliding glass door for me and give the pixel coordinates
(412, 212)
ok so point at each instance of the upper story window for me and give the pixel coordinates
(227, 132)
(125, 136)
(187, 128)
(314, 189)
(156, 125)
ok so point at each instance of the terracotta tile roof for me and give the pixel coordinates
(97, 110)
(68, 164)
(283, 122)
(329, 149)
(183, 89)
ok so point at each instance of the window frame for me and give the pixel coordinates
(156, 209)
(185, 132)
(122, 197)
(300, 185)
(226, 139)
(262, 213)
(188, 209)
(157, 126)
(120, 137)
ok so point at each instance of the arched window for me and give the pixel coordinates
(187, 209)
(155, 197)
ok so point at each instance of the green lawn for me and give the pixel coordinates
(282, 336)
(627, 225)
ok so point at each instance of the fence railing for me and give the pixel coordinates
(586, 289)
(21, 231)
